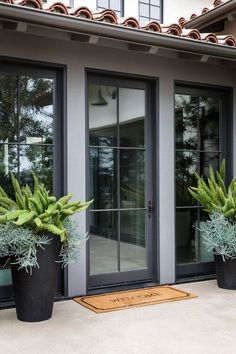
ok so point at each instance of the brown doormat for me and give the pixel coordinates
(133, 298)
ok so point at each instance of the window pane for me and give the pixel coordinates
(132, 117)
(186, 115)
(187, 235)
(115, 5)
(155, 12)
(145, 1)
(8, 163)
(103, 175)
(144, 10)
(186, 164)
(102, 115)
(132, 178)
(133, 240)
(103, 3)
(209, 123)
(103, 242)
(36, 110)
(155, 2)
(8, 108)
(38, 159)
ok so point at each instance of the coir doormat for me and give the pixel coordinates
(133, 298)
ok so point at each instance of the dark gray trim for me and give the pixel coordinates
(226, 124)
(107, 77)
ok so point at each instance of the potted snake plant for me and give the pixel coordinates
(219, 232)
(37, 233)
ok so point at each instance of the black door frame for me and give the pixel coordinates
(119, 80)
(191, 270)
(58, 73)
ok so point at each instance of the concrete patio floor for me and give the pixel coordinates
(205, 325)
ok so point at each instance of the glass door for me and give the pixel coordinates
(202, 138)
(120, 247)
(28, 125)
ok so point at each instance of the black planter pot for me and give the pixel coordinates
(34, 293)
(226, 273)
(4, 262)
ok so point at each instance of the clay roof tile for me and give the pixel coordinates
(105, 16)
(81, 12)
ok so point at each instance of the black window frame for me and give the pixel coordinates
(150, 18)
(197, 269)
(58, 73)
(119, 13)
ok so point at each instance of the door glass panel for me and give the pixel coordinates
(186, 113)
(103, 242)
(8, 108)
(209, 110)
(187, 235)
(118, 179)
(132, 178)
(133, 240)
(26, 134)
(38, 159)
(103, 178)
(132, 117)
(102, 115)
(36, 110)
(186, 165)
(198, 144)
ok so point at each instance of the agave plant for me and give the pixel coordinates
(36, 209)
(213, 194)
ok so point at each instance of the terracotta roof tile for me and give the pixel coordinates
(205, 10)
(109, 16)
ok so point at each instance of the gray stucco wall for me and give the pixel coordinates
(77, 57)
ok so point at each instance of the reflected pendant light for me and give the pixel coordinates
(100, 100)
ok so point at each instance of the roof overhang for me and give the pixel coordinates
(221, 12)
(80, 26)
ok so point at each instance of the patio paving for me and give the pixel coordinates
(205, 325)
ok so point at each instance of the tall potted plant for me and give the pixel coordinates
(219, 232)
(37, 233)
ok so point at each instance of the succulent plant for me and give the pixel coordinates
(36, 209)
(213, 194)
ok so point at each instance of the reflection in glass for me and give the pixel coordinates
(207, 159)
(102, 115)
(132, 117)
(186, 114)
(8, 163)
(186, 165)
(209, 123)
(103, 174)
(36, 110)
(132, 178)
(187, 235)
(38, 159)
(5, 277)
(204, 255)
(133, 240)
(103, 242)
(8, 111)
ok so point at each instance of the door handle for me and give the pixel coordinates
(150, 208)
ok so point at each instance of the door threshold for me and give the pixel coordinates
(195, 279)
(120, 287)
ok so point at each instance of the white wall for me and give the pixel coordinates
(77, 57)
(174, 9)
